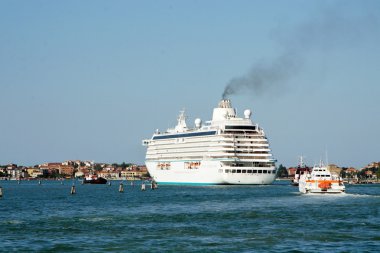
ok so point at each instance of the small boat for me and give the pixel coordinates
(94, 179)
(320, 180)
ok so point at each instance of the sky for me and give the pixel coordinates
(90, 80)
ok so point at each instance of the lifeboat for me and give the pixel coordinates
(324, 185)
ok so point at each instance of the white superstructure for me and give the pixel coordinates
(320, 180)
(225, 150)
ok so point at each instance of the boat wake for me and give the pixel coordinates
(340, 195)
(96, 219)
(362, 195)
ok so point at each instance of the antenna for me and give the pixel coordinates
(301, 162)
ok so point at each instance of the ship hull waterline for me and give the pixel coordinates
(210, 174)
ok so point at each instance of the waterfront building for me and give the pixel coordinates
(291, 171)
(34, 172)
(66, 170)
(132, 174)
(108, 174)
(334, 169)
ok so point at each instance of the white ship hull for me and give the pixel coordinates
(313, 187)
(210, 173)
(320, 180)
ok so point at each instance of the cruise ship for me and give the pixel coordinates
(226, 150)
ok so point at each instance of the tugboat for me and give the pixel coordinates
(320, 180)
(94, 179)
(301, 169)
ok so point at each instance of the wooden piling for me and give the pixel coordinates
(73, 190)
(153, 185)
(1, 192)
(121, 187)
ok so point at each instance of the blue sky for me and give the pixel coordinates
(90, 79)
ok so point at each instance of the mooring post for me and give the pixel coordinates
(121, 187)
(73, 191)
(154, 185)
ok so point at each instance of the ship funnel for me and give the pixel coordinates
(223, 111)
(225, 103)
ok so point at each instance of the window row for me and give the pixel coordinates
(250, 171)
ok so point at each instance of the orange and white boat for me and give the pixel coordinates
(320, 180)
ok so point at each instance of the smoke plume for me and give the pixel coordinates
(329, 30)
(264, 75)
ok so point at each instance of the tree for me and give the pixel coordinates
(124, 165)
(97, 167)
(282, 171)
(361, 174)
(378, 173)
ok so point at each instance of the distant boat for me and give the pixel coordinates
(320, 180)
(301, 169)
(94, 179)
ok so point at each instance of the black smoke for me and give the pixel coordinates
(264, 75)
(330, 29)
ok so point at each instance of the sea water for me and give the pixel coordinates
(271, 218)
